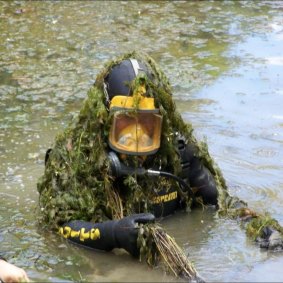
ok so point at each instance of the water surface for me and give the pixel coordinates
(224, 60)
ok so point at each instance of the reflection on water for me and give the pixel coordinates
(224, 59)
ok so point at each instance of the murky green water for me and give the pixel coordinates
(225, 62)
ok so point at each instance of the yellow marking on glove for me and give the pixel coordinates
(67, 232)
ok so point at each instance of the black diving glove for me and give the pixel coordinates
(198, 176)
(126, 231)
(271, 239)
(107, 235)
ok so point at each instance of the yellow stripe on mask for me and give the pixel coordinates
(121, 101)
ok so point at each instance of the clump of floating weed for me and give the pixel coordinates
(156, 246)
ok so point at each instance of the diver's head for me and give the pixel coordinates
(118, 80)
(136, 122)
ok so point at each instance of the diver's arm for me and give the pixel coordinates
(107, 235)
(199, 177)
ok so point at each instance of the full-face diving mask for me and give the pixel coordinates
(136, 125)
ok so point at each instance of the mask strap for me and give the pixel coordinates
(106, 93)
(136, 66)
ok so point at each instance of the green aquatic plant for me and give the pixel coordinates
(77, 181)
(156, 246)
(255, 227)
(77, 184)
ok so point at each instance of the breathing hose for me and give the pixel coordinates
(119, 169)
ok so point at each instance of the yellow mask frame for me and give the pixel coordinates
(136, 125)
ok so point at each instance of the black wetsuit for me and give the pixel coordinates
(122, 233)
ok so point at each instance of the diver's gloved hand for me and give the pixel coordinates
(107, 235)
(271, 239)
(126, 231)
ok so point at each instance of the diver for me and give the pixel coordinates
(129, 158)
(140, 161)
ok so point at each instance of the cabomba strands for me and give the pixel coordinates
(76, 183)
